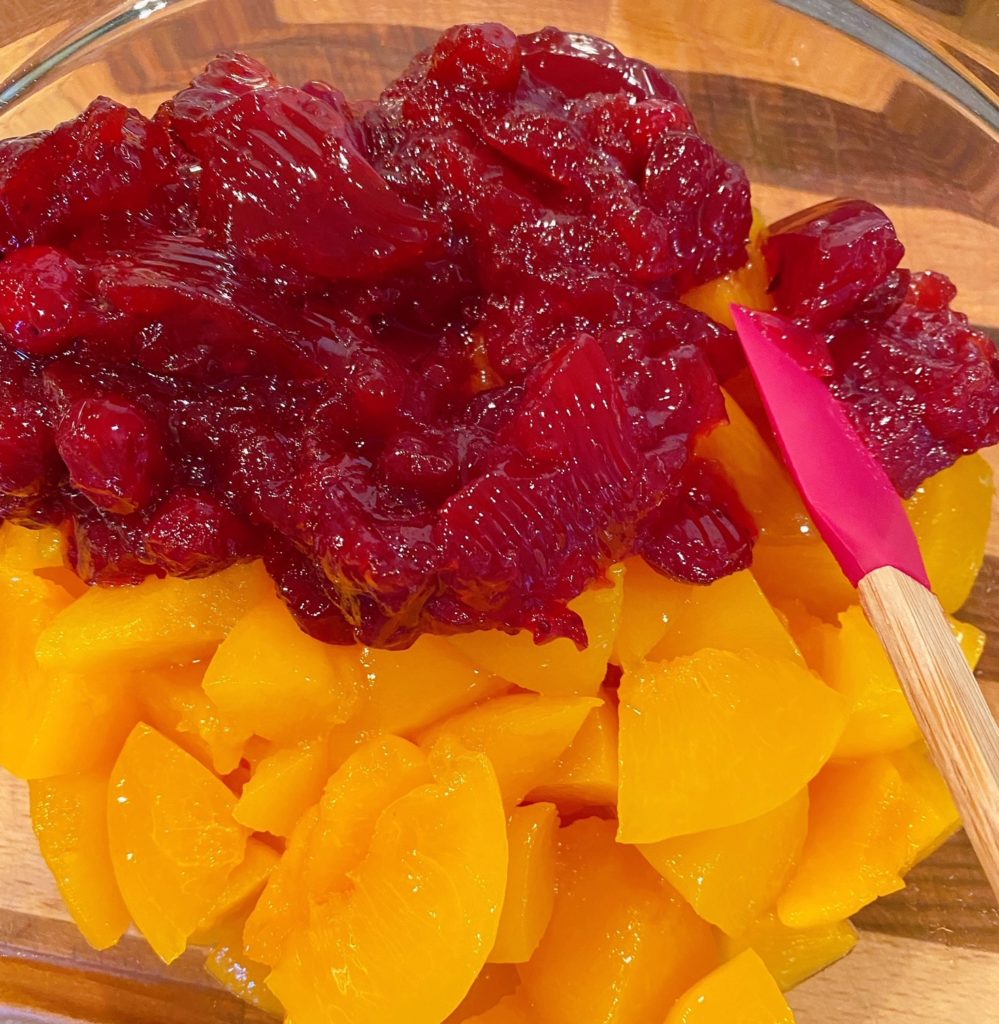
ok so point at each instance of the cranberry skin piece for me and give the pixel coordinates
(63, 382)
(381, 562)
(426, 465)
(195, 315)
(670, 394)
(108, 163)
(548, 146)
(108, 550)
(376, 387)
(922, 388)
(114, 453)
(230, 75)
(931, 291)
(44, 304)
(704, 201)
(283, 181)
(308, 594)
(483, 56)
(885, 300)
(28, 457)
(193, 534)
(628, 128)
(334, 98)
(577, 64)
(704, 534)
(526, 536)
(826, 260)
(12, 149)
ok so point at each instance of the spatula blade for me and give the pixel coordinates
(851, 499)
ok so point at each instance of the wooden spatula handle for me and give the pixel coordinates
(946, 699)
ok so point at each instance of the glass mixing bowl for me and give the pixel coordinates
(811, 110)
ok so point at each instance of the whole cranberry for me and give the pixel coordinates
(43, 302)
(483, 56)
(824, 261)
(193, 534)
(114, 452)
(304, 588)
(107, 550)
(27, 449)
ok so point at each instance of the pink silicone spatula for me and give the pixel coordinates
(862, 520)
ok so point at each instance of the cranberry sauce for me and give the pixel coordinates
(920, 385)
(426, 356)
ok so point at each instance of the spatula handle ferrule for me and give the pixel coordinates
(948, 703)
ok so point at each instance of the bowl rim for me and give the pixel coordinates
(865, 21)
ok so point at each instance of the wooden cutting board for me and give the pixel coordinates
(929, 954)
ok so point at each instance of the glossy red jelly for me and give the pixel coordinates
(920, 384)
(425, 356)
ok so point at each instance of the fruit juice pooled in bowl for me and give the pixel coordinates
(401, 596)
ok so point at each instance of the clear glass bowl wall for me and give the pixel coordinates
(810, 112)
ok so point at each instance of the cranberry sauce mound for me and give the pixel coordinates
(426, 356)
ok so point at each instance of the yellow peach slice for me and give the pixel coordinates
(933, 817)
(716, 738)
(732, 875)
(664, 619)
(852, 660)
(621, 945)
(407, 937)
(283, 786)
(730, 614)
(585, 776)
(857, 843)
(950, 513)
(804, 628)
(229, 965)
(971, 638)
(510, 1010)
(69, 815)
(530, 884)
(40, 722)
(382, 771)
(556, 669)
(174, 842)
(157, 622)
(173, 702)
(644, 611)
(741, 991)
(52, 721)
(283, 905)
(24, 551)
(270, 679)
(794, 954)
(405, 691)
(494, 983)
(331, 839)
(523, 735)
(244, 883)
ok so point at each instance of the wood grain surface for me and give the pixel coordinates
(956, 720)
(929, 953)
